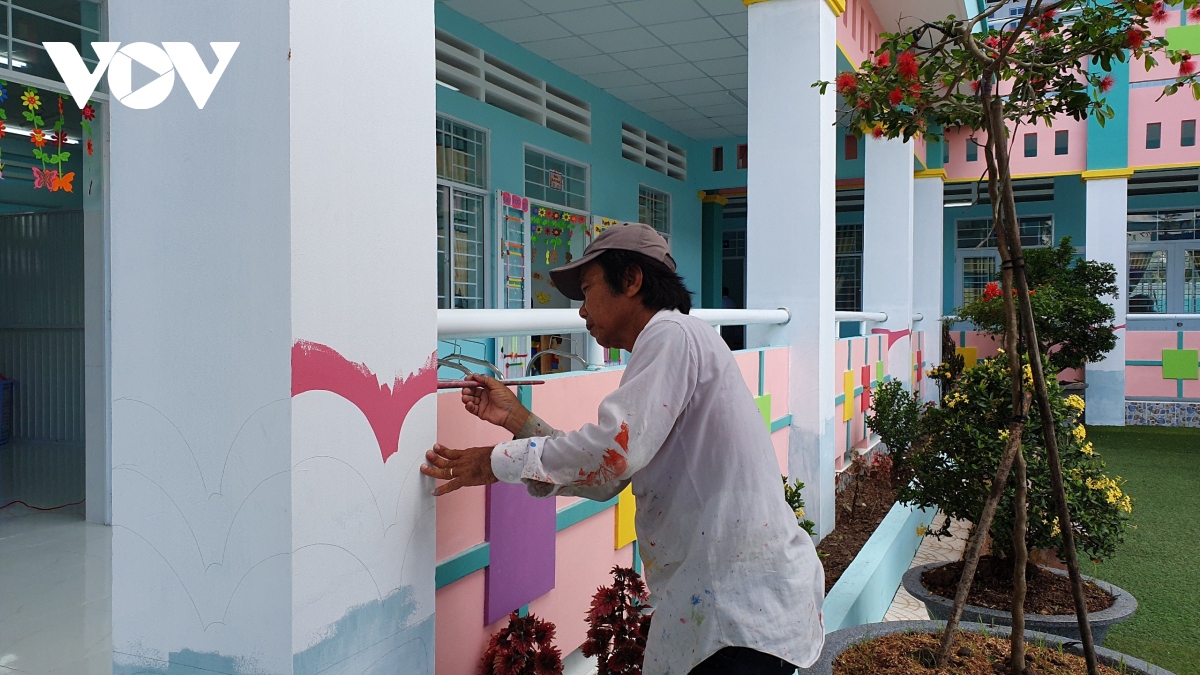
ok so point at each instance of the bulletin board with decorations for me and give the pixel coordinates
(552, 231)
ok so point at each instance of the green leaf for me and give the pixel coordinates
(3, 115)
(59, 124)
(28, 115)
(37, 121)
(1196, 90)
(64, 156)
(87, 126)
(1100, 120)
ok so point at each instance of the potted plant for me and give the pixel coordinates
(1053, 59)
(953, 464)
(524, 647)
(618, 623)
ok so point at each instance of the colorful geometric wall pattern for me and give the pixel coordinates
(970, 356)
(626, 510)
(521, 533)
(1180, 364)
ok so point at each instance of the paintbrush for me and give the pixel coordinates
(471, 384)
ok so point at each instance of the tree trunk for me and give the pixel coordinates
(1020, 558)
(1000, 132)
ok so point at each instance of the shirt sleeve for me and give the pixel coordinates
(632, 424)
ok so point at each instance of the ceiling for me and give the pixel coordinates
(683, 62)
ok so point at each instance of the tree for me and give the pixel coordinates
(1053, 60)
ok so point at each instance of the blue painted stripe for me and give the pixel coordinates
(1179, 340)
(525, 396)
(461, 564)
(841, 398)
(637, 557)
(782, 422)
(762, 372)
(523, 611)
(1144, 363)
(580, 511)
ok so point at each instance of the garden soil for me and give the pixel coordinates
(1046, 593)
(974, 654)
(852, 529)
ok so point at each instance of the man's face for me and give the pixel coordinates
(608, 315)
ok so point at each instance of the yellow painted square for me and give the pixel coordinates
(970, 356)
(626, 508)
(848, 391)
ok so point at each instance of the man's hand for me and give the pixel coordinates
(463, 468)
(495, 403)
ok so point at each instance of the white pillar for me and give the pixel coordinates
(928, 228)
(1104, 241)
(888, 246)
(273, 329)
(790, 232)
(96, 392)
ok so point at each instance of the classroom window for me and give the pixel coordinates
(977, 259)
(1187, 133)
(555, 181)
(654, 209)
(1062, 141)
(972, 150)
(461, 214)
(719, 158)
(1031, 145)
(978, 272)
(848, 270)
(1153, 136)
(850, 145)
(742, 156)
(1164, 262)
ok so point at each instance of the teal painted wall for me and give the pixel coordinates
(729, 177)
(614, 179)
(1108, 146)
(1068, 208)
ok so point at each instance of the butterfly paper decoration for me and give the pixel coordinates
(44, 178)
(62, 182)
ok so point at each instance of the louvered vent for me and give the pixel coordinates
(652, 152)
(1164, 182)
(484, 77)
(1024, 190)
(736, 208)
(849, 200)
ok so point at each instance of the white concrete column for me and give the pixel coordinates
(273, 333)
(888, 246)
(1104, 241)
(928, 228)
(790, 232)
(96, 394)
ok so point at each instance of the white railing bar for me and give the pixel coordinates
(456, 324)
(918, 317)
(878, 317)
(1168, 317)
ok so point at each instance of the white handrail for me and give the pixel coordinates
(456, 324)
(1168, 317)
(860, 316)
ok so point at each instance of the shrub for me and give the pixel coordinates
(524, 647)
(955, 460)
(618, 623)
(792, 494)
(895, 416)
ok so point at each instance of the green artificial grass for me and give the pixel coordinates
(1159, 563)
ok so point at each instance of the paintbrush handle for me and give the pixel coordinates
(471, 384)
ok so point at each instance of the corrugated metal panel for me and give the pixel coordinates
(41, 322)
(44, 475)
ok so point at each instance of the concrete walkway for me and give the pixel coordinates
(904, 606)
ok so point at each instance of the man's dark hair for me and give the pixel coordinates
(661, 288)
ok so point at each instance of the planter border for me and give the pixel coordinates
(1065, 625)
(836, 643)
(865, 590)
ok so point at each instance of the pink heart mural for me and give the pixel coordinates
(318, 367)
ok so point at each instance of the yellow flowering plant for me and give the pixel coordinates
(960, 444)
(791, 492)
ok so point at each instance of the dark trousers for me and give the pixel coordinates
(743, 661)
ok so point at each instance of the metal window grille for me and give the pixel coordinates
(1153, 136)
(25, 25)
(461, 153)
(461, 218)
(654, 209)
(1062, 142)
(1163, 226)
(848, 268)
(1191, 282)
(1147, 282)
(977, 233)
(977, 274)
(734, 244)
(555, 181)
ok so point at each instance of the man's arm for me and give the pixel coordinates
(535, 427)
(633, 423)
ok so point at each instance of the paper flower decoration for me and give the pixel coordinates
(38, 138)
(3, 94)
(89, 113)
(89, 147)
(31, 100)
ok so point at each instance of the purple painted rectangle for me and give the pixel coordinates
(521, 533)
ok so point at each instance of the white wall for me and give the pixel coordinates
(1107, 205)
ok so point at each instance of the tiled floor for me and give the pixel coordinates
(904, 606)
(55, 595)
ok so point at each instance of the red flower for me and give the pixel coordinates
(864, 104)
(1135, 38)
(89, 147)
(1194, 15)
(877, 132)
(915, 89)
(883, 60)
(60, 137)
(89, 113)
(991, 291)
(846, 83)
(1106, 83)
(993, 42)
(2, 128)
(1159, 15)
(907, 65)
(1050, 13)
(1186, 67)
(896, 97)
(37, 138)
(975, 86)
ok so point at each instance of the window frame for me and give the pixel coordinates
(1176, 251)
(666, 198)
(1182, 136)
(972, 151)
(450, 187)
(1066, 142)
(587, 181)
(1157, 126)
(1031, 144)
(961, 254)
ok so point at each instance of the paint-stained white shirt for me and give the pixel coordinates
(724, 558)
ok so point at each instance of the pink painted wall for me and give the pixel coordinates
(1147, 381)
(1169, 112)
(858, 30)
(747, 362)
(857, 352)
(1046, 162)
(1164, 70)
(776, 379)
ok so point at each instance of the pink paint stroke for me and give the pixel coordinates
(316, 367)
(892, 335)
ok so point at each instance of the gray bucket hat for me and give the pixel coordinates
(635, 237)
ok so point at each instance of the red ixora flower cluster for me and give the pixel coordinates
(1194, 15)
(1135, 38)
(618, 624)
(1159, 13)
(992, 291)
(524, 647)
(1106, 83)
(1186, 66)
